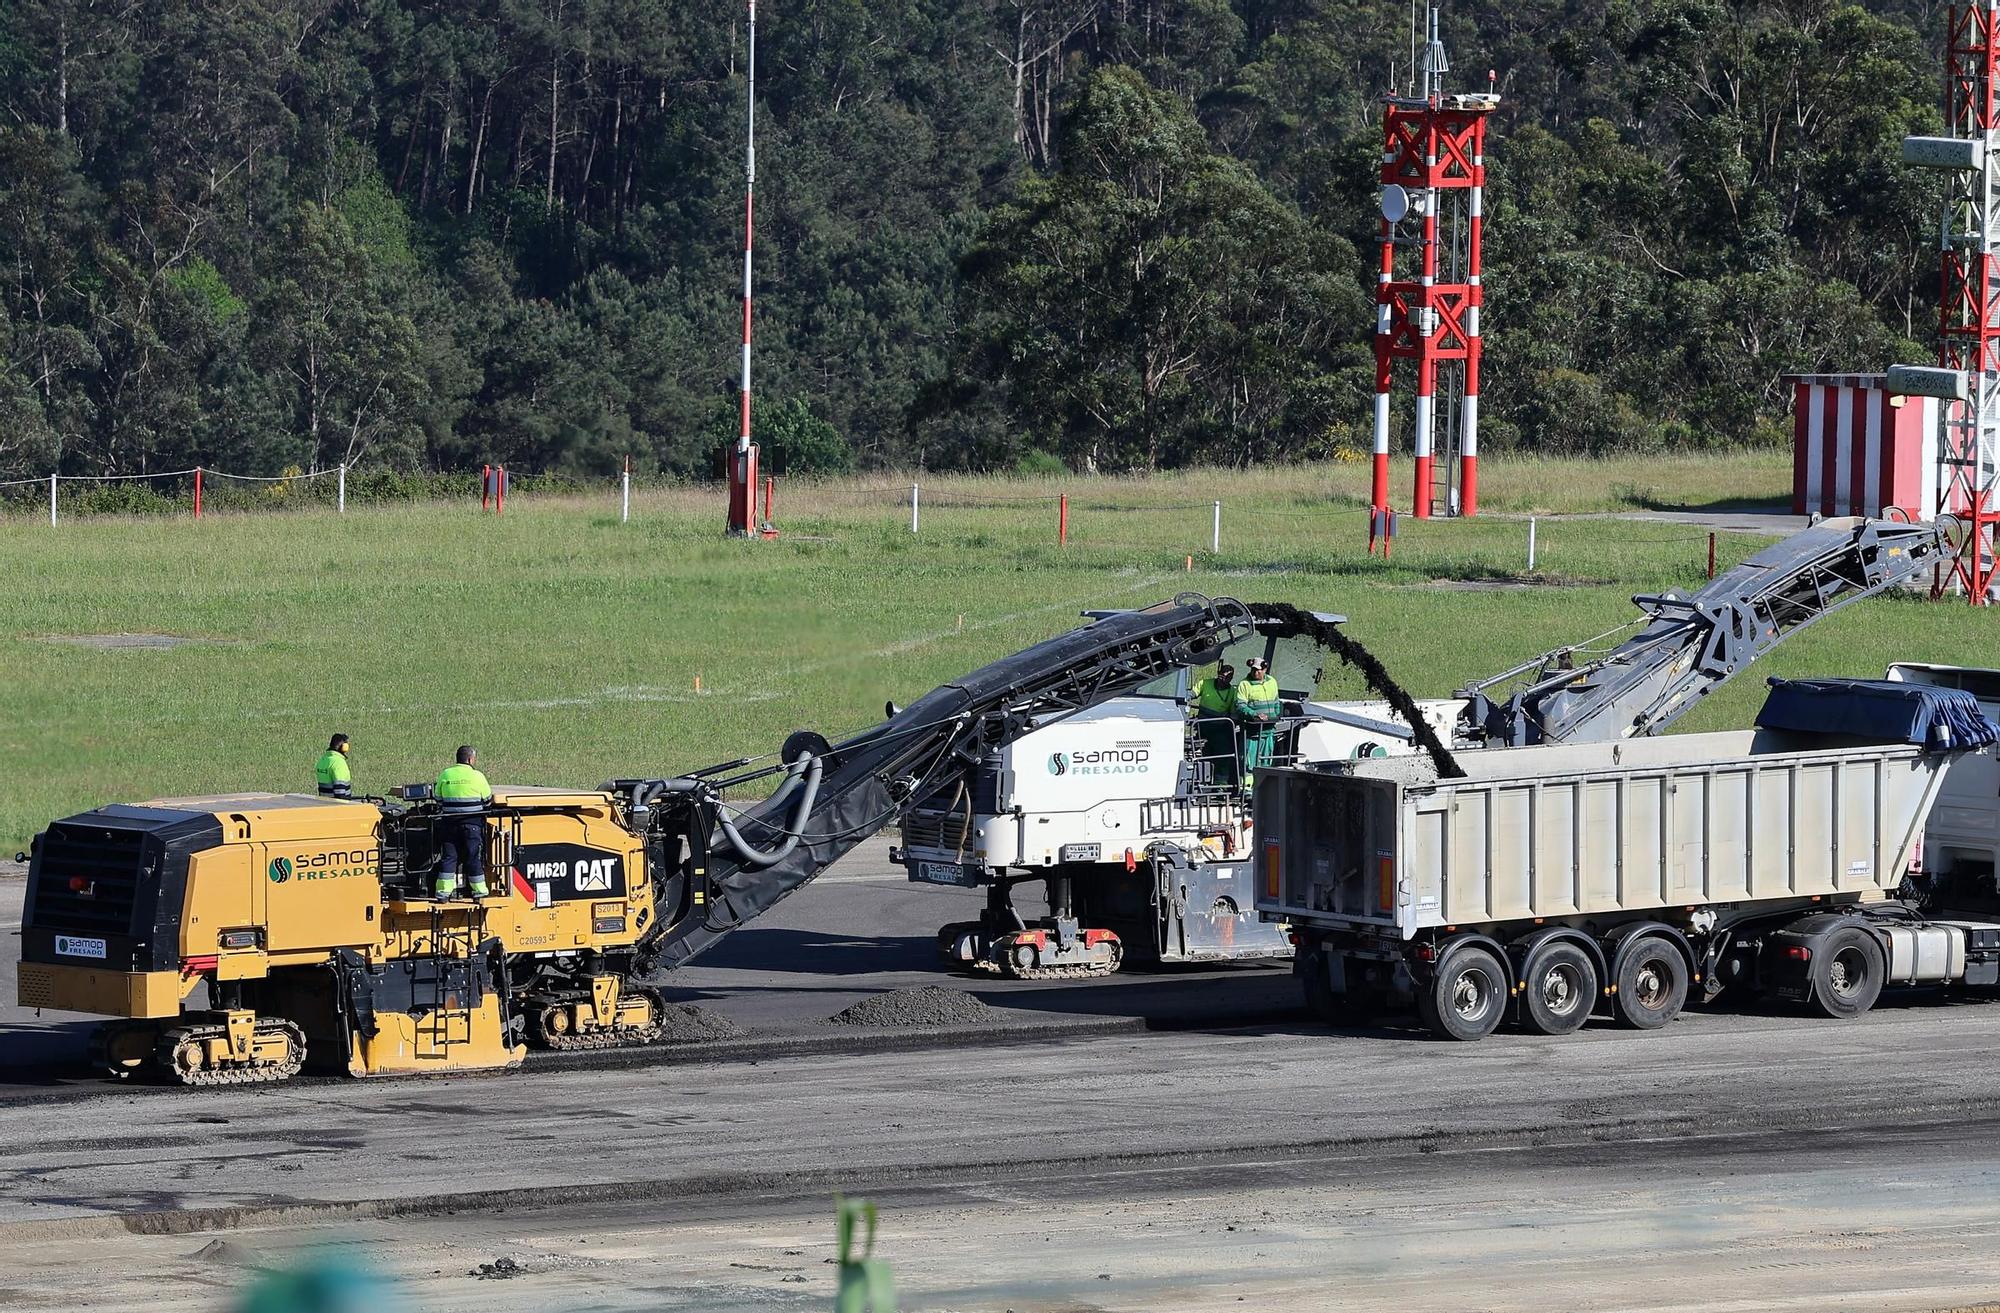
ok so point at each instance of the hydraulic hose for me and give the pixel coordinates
(806, 768)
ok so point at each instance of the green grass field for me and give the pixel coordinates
(566, 645)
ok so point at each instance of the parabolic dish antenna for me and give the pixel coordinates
(1395, 203)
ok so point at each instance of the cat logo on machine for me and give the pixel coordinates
(557, 872)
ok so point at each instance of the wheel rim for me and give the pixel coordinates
(1471, 994)
(1847, 974)
(1652, 983)
(1562, 987)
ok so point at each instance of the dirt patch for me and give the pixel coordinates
(933, 1005)
(125, 642)
(684, 1023)
(230, 1253)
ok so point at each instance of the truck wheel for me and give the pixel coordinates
(1561, 988)
(1846, 973)
(1467, 996)
(1652, 983)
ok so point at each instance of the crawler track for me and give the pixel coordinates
(173, 1056)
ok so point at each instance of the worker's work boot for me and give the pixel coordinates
(479, 891)
(447, 889)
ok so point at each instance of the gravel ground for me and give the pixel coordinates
(685, 1023)
(933, 1005)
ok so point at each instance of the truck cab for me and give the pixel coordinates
(1962, 839)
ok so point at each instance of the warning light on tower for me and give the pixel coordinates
(1427, 291)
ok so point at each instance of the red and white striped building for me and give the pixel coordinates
(1860, 450)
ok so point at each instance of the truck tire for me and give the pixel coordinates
(1652, 983)
(1560, 989)
(1467, 995)
(1846, 973)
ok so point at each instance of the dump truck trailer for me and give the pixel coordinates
(1546, 884)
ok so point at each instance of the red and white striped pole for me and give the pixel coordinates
(1384, 365)
(742, 466)
(1468, 441)
(1425, 315)
(749, 218)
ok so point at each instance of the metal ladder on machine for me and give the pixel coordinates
(455, 986)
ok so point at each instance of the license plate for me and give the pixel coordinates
(1082, 852)
(947, 873)
(71, 947)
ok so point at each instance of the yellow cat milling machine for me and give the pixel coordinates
(304, 921)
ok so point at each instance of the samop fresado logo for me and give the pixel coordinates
(281, 869)
(1058, 763)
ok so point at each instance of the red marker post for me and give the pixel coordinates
(1381, 528)
(197, 492)
(1062, 521)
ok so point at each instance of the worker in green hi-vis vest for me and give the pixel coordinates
(1258, 705)
(1215, 723)
(330, 771)
(464, 795)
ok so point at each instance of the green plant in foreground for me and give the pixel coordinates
(865, 1285)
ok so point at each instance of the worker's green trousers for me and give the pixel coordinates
(1259, 747)
(1218, 747)
(1260, 736)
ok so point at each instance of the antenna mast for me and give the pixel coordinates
(1966, 380)
(743, 460)
(749, 217)
(1427, 289)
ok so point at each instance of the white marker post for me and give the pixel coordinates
(1215, 531)
(625, 499)
(340, 498)
(913, 508)
(52, 501)
(1531, 543)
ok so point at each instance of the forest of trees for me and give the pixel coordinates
(425, 234)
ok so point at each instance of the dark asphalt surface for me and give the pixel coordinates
(856, 932)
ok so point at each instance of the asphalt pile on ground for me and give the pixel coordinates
(684, 1023)
(933, 1005)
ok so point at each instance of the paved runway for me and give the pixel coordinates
(1729, 1162)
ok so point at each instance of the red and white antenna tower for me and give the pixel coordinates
(743, 459)
(1967, 379)
(1427, 293)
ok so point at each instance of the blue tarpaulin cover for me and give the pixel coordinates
(1935, 719)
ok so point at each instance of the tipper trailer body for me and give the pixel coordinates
(1547, 882)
